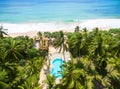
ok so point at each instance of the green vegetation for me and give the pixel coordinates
(95, 62)
(39, 34)
(20, 63)
(60, 43)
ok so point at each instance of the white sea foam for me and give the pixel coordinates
(90, 24)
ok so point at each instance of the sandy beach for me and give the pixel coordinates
(32, 28)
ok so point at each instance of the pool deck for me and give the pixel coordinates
(53, 53)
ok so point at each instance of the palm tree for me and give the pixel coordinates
(78, 45)
(116, 49)
(2, 32)
(13, 50)
(77, 29)
(112, 78)
(29, 74)
(61, 43)
(39, 34)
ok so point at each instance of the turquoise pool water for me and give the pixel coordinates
(56, 67)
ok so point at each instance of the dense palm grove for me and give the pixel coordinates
(20, 62)
(95, 61)
(94, 64)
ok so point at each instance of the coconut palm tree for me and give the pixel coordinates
(61, 43)
(77, 29)
(73, 77)
(29, 74)
(13, 50)
(39, 34)
(116, 49)
(2, 32)
(112, 78)
(78, 45)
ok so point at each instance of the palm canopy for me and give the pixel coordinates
(98, 64)
(73, 77)
(78, 44)
(83, 74)
(61, 42)
(12, 49)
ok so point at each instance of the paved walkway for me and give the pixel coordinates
(43, 78)
(44, 69)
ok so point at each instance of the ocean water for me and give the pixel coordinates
(23, 11)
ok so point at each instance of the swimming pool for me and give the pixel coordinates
(56, 67)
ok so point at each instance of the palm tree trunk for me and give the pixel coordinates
(64, 56)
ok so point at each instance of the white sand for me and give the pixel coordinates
(90, 24)
(104, 24)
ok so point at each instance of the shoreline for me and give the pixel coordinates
(104, 24)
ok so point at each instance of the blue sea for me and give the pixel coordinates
(19, 11)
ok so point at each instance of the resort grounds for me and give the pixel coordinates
(87, 54)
